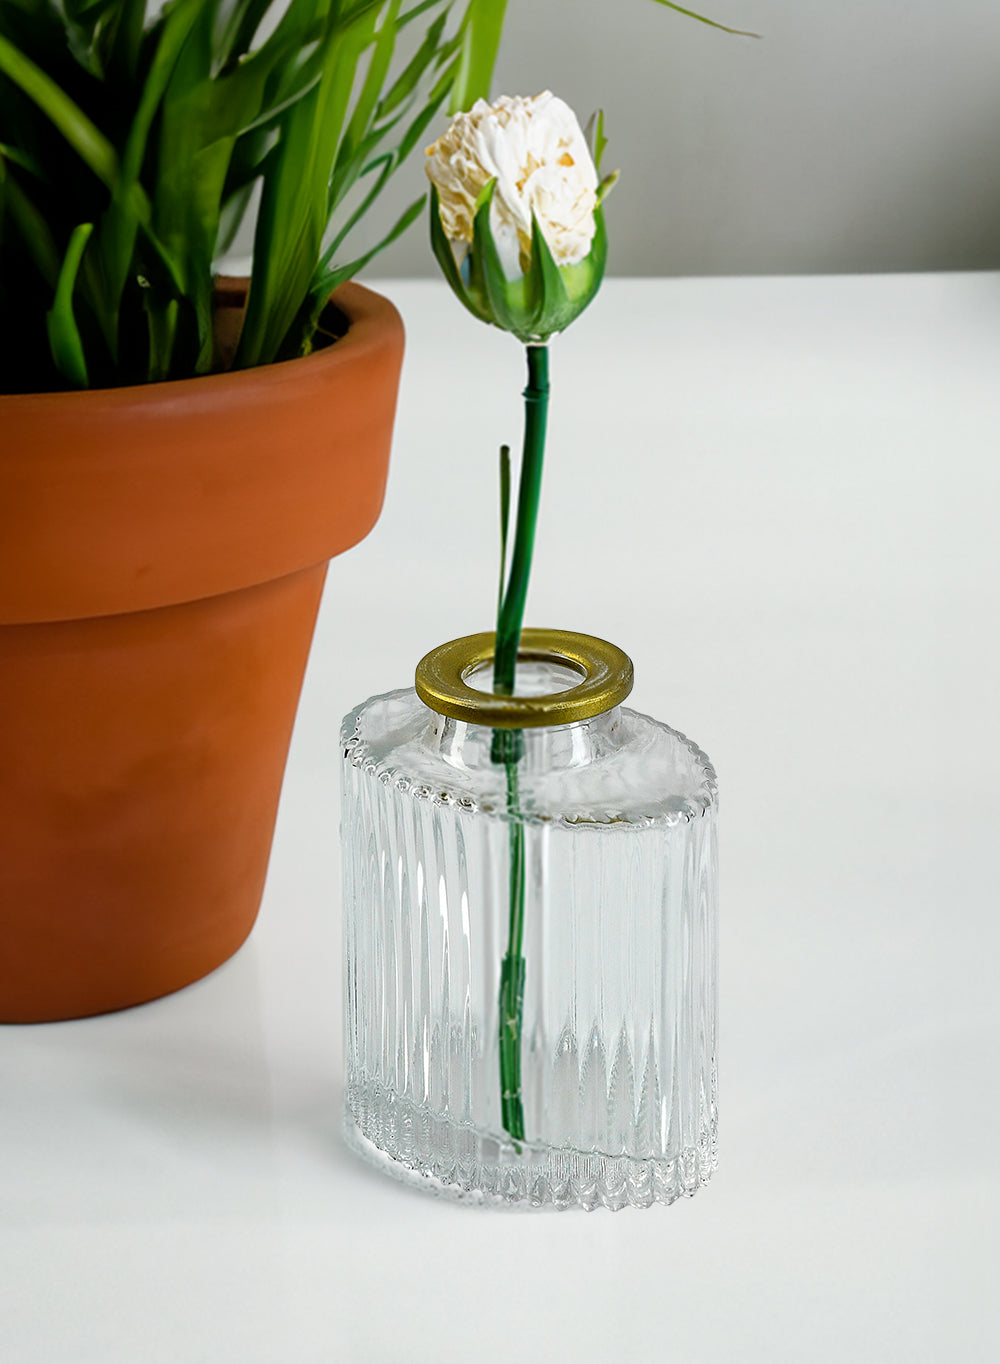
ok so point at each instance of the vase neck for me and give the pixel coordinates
(544, 748)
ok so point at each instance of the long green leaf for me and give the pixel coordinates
(182, 17)
(286, 93)
(384, 166)
(328, 282)
(23, 159)
(202, 118)
(82, 135)
(421, 8)
(119, 40)
(346, 176)
(418, 127)
(186, 200)
(323, 110)
(242, 24)
(32, 227)
(294, 208)
(234, 209)
(738, 32)
(119, 227)
(299, 338)
(375, 77)
(162, 320)
(482, 28)
(302, 22)
(64, 334)
(401, 99)
(405, 84)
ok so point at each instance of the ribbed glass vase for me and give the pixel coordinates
(615, 819)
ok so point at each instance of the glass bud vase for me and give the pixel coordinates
(530, 934)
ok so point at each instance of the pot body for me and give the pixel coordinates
(162, 557)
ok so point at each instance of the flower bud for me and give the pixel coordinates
(516, 223)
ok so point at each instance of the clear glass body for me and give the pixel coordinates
(618, 1032)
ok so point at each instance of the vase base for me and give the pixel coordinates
(456, 1162)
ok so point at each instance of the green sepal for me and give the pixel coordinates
(487, 274)
(445, 257)
(594, 137)
(534, 306)
(607, 185)
(551, 311)
(560, 293)
(583, 280)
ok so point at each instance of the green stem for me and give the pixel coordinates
(507, 743)
(512, 977)
(511, 615)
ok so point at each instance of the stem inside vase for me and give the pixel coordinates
(508, 743)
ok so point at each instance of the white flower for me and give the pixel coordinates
(537, 154)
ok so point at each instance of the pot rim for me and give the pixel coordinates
(362, 307)
(132, 498)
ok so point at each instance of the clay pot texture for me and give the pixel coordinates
(162, 555)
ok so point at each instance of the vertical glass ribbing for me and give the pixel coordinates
(619, 1025)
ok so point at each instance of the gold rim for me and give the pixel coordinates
(605, 670)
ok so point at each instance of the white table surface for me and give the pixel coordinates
(780, 496)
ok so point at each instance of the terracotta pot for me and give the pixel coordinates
(162, 556)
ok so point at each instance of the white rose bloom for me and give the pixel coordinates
(537, 154)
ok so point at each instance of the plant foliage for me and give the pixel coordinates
(133, 137)
(131, 141)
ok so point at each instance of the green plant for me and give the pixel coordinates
(131, 142)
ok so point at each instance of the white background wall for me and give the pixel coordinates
(856, 135)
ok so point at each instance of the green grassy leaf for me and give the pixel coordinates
(481, 30)
(21, 158)
(294, 200)
(386, 119)
(299, 338)
(415, 132)
(118, 40)
(327, 282)
(78, 130)
(162, 318)
(119, 227)
(408, 79)
(738, 32)
(234, 208)
(384, 166)
(421, 8)
(32, 228)
(368, 99)
(242, 24)
(172, 117)
(64, 335)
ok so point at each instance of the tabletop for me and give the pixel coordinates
(780, 497)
